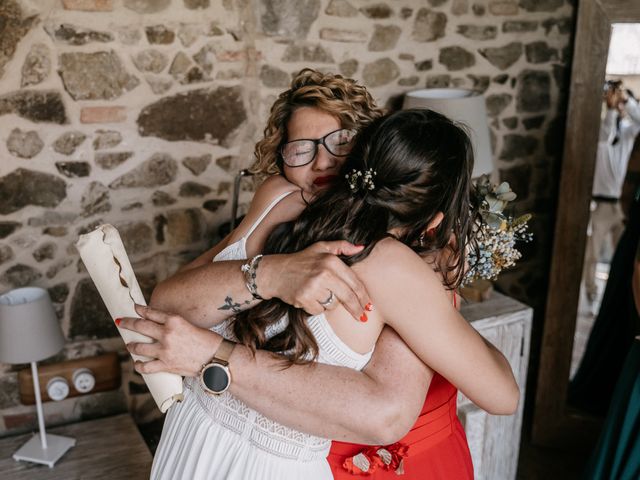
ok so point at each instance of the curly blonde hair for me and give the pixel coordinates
(341, 97)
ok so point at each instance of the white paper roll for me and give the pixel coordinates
(108, 265)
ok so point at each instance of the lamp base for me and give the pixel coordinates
(32, 451)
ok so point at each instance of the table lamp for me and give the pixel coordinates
(464, 106)
(30, 332)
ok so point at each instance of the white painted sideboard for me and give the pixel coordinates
(494, 440)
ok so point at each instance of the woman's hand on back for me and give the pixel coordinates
(307, 278)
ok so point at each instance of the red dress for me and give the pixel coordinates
(435, 449)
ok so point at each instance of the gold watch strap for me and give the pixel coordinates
(224, 351)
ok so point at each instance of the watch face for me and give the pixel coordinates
(216, 378)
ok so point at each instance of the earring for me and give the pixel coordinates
(421, 240)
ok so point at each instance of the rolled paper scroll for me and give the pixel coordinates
(106, 260)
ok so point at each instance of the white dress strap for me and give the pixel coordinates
(266, 212)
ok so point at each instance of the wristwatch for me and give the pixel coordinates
(215, 376)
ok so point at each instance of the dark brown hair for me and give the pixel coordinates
(423, 163)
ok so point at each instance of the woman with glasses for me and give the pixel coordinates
(309, 131)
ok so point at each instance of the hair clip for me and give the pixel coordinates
(361, 179)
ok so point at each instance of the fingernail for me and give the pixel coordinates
(360, 246)
(118, 320)
(363, 317)
(369, 307)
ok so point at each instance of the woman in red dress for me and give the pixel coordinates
(435, 448)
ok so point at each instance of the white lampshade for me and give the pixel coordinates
(29, 328)
(464, 106)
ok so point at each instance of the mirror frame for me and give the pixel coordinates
(554, 423)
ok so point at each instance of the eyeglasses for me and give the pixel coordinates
(298, 153)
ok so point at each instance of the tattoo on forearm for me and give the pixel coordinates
(235, 307)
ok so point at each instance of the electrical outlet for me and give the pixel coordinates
(83, 375)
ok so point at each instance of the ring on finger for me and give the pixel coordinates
(328, 301)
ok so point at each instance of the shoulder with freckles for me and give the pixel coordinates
(392, 265)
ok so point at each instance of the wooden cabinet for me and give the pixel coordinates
(494, 440)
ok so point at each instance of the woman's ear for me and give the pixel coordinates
(435, 222)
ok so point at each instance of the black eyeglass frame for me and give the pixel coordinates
(316, 142)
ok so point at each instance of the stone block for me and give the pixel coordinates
(195, 115)
(197, 165)
(74, 169)
(24, 187)
(20, 275)
(137, 237)
(342, 35)
(377, 11)
(75, 35)
(158, 170)
(89, 317)
(24, 144)
(46, 251)
(518, 146)
(14, 26)
(36, 66)
(88, 5)
(456, 58)
(35, 105)
(385, 37)
(111, 160)
(273, 77)
(162, 199)
(429, 25)
(184, 227)
(147, 6)
(106, 139)
(68, 142)
(112, 114)
(95, 76)
(341, 8)
(504, 8)
(95, 199)
(59, 293)
(534, 91)
(288, 18)
(381, 72)
(150, 60)
(193, 189)
(349, 67)
(6, 254)
(478, 32)
(159, 34)
(7, 228)
(503, 57)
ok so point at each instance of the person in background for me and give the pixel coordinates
(618, 130)
(616, 325)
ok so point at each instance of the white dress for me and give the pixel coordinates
(219, 437)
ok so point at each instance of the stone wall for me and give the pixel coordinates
(139, 112)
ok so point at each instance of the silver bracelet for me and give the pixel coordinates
(249, 271)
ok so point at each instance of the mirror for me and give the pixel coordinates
(556, 422)
(603, 321)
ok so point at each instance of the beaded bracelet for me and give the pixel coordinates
(249, 271)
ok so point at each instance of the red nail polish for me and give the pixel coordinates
(369, 307)
(364, 318)
(118, 320)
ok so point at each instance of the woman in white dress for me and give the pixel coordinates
(423, 185)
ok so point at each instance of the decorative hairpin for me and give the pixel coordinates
(361, 179)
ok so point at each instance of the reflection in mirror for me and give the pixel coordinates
(606, 322)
